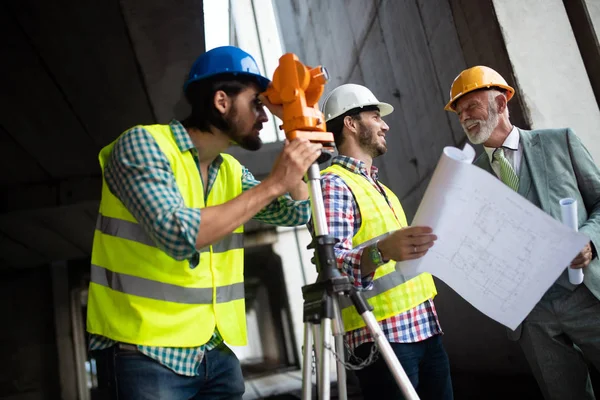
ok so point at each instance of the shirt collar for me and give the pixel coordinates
(182, 138)
(511, 142)
(355, 165)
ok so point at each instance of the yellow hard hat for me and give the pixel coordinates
(474, 78)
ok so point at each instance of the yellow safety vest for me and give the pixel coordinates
(391, 293)
(138, 294)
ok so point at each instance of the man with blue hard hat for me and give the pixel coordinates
(167, 281)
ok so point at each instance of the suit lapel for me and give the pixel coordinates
(483, 162)
(533, 155)
(524, 176)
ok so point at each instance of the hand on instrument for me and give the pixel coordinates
(407, 243)
(583, 258)
(292, 163)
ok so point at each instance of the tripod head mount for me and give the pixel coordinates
(298, 88)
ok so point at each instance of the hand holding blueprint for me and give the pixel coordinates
(495, 249)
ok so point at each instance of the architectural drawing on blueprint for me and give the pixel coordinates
(494, 248)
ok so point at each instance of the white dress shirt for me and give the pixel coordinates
(512, 152)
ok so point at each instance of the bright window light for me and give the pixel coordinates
(254, 29)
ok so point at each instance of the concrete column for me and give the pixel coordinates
(548, 68)
(297, 271)
(593, 7)
(64, 337)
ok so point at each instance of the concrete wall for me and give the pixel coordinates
(298, 271)
(407, 53)
(548, 67)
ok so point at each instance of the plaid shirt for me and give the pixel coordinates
(140, 175)
(344, 220)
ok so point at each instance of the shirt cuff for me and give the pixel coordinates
(190, 225)
(288, 201)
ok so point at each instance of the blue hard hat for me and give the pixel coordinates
(223, 60)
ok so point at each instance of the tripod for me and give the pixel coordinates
(321, 309)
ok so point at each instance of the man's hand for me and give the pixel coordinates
(291, 165)
(583, 258)
(276, 109)
(407, 243)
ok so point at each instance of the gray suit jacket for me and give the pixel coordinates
(555, 165)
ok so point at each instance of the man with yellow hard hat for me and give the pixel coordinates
(562, 332)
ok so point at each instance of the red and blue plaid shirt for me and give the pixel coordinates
(344, 220)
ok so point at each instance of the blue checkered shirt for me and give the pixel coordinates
(140, 175)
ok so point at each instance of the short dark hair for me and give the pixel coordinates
(200, 95)
(336, 125)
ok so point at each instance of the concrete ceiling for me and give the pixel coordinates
(74, 75)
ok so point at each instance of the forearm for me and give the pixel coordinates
(219, 221)
(367, 266)
(300, 192)
(283, 211)
(351, 263)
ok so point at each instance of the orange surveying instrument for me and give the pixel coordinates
(298, 88)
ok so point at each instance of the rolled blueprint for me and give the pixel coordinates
(568, 209)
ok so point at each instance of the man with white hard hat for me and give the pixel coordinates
(372, 232)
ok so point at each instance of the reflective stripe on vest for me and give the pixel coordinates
(380, 286)
(134, 232)
(150, 289)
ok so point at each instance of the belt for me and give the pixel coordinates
(127, 347)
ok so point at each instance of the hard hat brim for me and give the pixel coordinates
(451, 106)
(261, 80)
(384, 109)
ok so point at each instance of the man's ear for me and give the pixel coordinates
(501, 103)
(350, 123)
(221, 101)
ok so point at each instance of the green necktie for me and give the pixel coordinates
(507, 173)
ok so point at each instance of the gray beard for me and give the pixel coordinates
(486, 127)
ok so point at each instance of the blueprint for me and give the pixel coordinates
(495, 249)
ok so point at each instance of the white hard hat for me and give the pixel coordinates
(349, 96)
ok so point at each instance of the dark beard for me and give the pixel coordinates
(369, 143)
(244, 140)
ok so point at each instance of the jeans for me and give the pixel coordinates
(425, 363)
(130, 375)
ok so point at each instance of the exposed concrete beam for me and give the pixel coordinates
(167, 39)
(59, 193)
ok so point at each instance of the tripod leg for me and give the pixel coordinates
(318, 350)
(390, 357)
(324, 380)
(307, 362)
(318, 339)
(338, 335)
